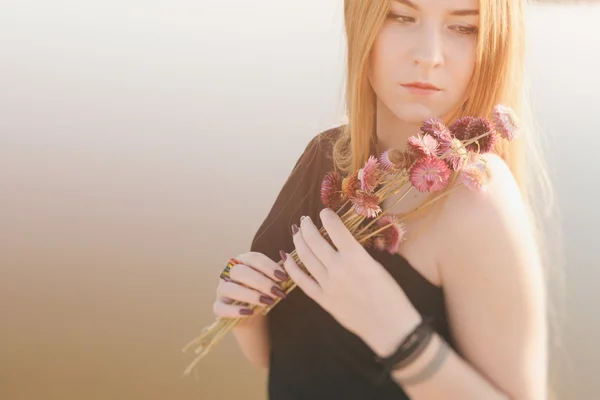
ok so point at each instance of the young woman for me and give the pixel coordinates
(471, 268)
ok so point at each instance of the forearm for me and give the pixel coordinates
(251, 335)
(453, 378)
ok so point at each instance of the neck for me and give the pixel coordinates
(391, 131)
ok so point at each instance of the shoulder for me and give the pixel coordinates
(495, 223)
(329, 136)
(501, 204)
(490, 246)
(316, 158)
(298, 194)
(322, 143)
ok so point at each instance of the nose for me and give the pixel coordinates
(428, 49)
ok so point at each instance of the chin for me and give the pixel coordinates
(415, 114)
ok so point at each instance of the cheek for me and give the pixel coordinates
(385, 59)
(463, 63)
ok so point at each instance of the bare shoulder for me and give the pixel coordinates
(492, 223)
(466, 209)
(493, 281)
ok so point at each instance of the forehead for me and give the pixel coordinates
(440, 4)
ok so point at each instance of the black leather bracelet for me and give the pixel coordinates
(410, 348)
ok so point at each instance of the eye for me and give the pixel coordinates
(465, 30)
(401, 19)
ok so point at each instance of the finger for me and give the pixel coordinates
(233, 291)
(312, 263)
(221, 309)
(264, 264)
(338, 232)
(317, 243)
(302, 280)
(244, 275)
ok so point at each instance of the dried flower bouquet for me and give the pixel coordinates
(437, 160)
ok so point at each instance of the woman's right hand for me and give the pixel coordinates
(255, 281)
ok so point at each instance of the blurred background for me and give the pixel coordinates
(143, 142)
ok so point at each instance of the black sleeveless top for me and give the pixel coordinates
(312, 356)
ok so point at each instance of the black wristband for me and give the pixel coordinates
(410, 348)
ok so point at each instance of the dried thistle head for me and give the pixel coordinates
(506, 122)
(424, 146)
(350, 185)
(391, 237)
(331, 190)
(436, 128)
(476, 174)
(370, 175)
(366, 204)
(459, 128)
(467, 128)
(475, 177)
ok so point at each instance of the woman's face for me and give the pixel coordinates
(423, 57)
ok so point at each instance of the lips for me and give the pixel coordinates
(421, 85)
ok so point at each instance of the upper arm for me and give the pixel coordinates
(494, 285)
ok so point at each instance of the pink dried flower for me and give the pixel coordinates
(390, 238)
(436, 128)
(350, 185)
(366, 204)
(467, 128)
(506, 122)
(331, 190)
(369, 175)
(429, 174)
(455, 154)
(475, 176)
(425, 145)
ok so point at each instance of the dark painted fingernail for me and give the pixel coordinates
(278, 292)
(294, 229)
(281, 275)
(266, 300)
(246, 311)
(282, 255)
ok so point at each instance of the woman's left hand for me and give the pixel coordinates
(350, 285)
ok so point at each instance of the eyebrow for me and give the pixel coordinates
(459, 13)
